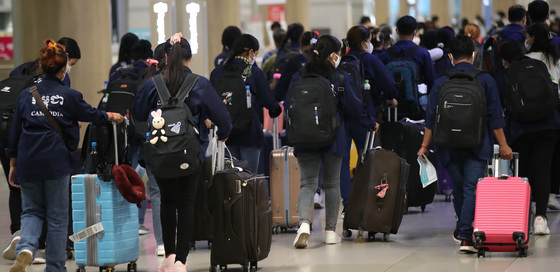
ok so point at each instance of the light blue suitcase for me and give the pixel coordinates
(113, 241)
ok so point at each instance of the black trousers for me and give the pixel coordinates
(177, 213)
(535, 162)
(15, 195)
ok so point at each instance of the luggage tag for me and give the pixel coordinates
(428, 173)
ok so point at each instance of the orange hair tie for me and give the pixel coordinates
(51, 44)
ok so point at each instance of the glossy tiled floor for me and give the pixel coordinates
(423, 243)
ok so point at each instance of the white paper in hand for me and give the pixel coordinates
(428, 174)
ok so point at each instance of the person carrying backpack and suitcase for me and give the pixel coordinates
(318, 98)
(175, 100)
(410, 66)
(243, 88)
(463, 114)
(43, 156)
(361, 65)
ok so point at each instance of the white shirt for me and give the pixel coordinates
(553, 68)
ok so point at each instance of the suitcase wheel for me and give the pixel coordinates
(81, 269)
(213, 268)
(523, 251)
(347, 233)
(371, 235)
(482, 253)
(423, 208)
(245, 268)
(131, 267)
(360, 234)
(253, 265)
(385, 237)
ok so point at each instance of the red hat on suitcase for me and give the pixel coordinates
(129, 183)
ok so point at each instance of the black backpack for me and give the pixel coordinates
(173, 149)
(530, 95)
(282, 61)
(312, 111)
(353, 66)
(232, 89)
(491, 56)
(461, 111)
(121, 92)
(405, 74)
(10, 88)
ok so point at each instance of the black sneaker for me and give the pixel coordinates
(467, 247)
(456, 236)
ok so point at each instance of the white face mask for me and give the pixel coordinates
(68, 68)
(369, 47)
(337, 61)
(252, 61)
(527, 46)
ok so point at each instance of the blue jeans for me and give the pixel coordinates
(46, 200)
(465, 170)
(155, 198)
(246, 153)
(310, 165)
(354, 130)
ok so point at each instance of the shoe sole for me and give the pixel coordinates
(318, 206)
(143, 232)
(10, 252)
(302, 240)
(542, 233)
(22, 262)
(468, 250)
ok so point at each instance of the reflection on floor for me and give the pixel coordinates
(424, 243)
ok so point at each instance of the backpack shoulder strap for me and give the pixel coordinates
(475, 72)
(162, 90)
(186, 87)
(341, 81)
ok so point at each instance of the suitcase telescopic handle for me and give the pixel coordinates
(370, 139)
(126, 122)
(497, 166)
(389, 119)
(275, 134)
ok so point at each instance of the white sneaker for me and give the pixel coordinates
(332, 237)
(553, 202)
(541, 226)
(167, 264)
(302, 236)
(10, 251)
(40, 257)
(23, 260)
(160, 250)
(318, 201)
(143, 230)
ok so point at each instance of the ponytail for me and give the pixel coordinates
(178, 50)
(318, 62)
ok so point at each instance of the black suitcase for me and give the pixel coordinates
(413, 137)
(368, 211)
(242, 219)
(203, 226)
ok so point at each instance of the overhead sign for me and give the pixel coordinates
(271, 2)
(276, 13)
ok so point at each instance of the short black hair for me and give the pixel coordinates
(230, 34)
(275, 25)
(512, 50)
(72, 47)
(516, 13)
(406, 25)
(365, 19)
(461, 47)
(538, 11)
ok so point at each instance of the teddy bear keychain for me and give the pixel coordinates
(158, 123)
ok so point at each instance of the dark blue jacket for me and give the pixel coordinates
(382, 55)
(291, 46)
(219, 60)
(350, 107)
(495, 118)
(423, 61)
(381, 80)
(512, 32)
(294, 65)
(40, 152)
(203, 101)
(262, 96)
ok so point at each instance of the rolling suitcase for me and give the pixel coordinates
(203, 226)
(378, 194)
(285, 181)
(108, 224)
(242, 217)
(502, 213)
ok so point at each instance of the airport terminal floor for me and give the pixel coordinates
(424, 243)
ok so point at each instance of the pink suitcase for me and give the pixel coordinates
(268, 122)
(502, 214)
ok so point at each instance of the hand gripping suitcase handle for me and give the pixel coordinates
(497, 165)
(125, 120)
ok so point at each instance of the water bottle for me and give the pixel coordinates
(248, 92)
(367, 87)
(105, 98)
(92, 161)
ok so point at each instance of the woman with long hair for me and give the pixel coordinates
(178, 194)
